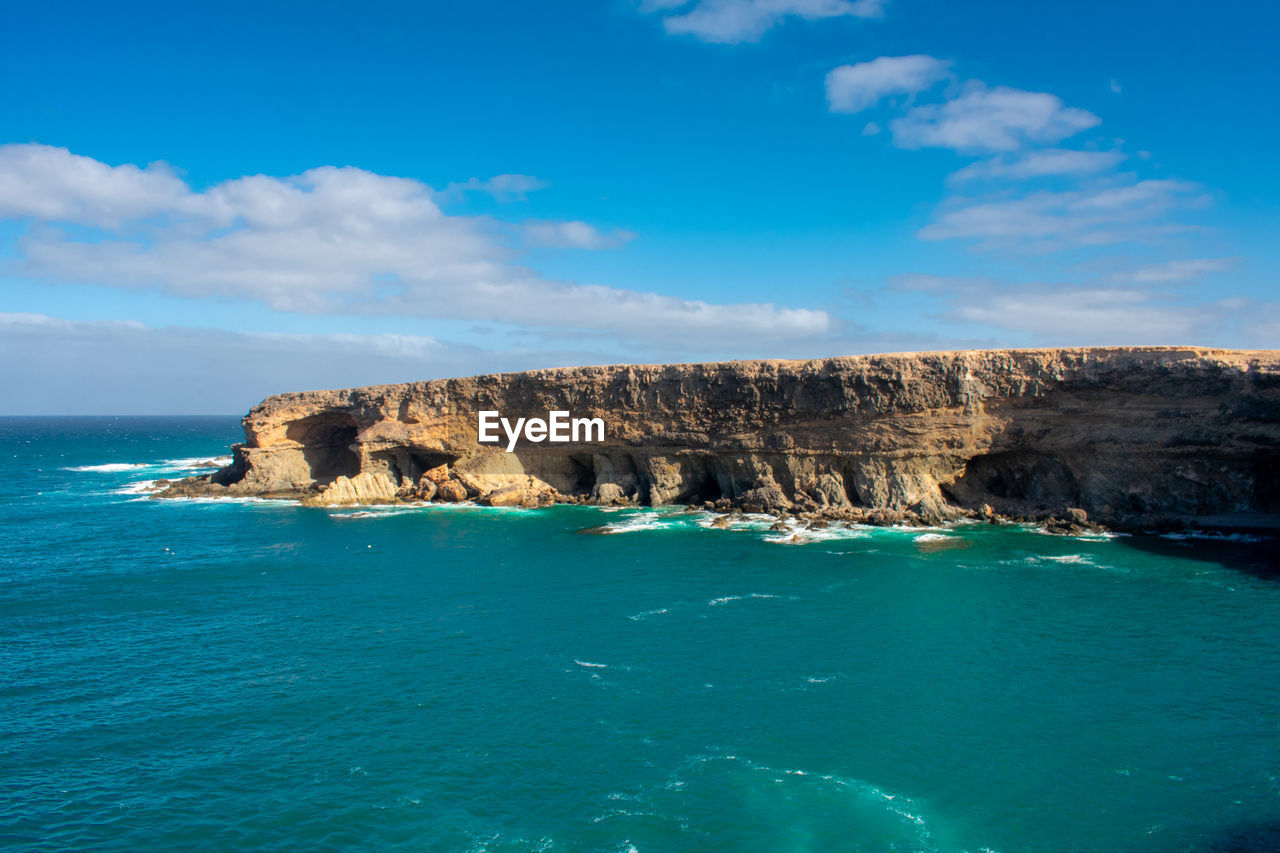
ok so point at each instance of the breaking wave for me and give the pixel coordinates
(190, 463)
(110, 467)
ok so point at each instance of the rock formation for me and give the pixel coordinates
(1126, 437)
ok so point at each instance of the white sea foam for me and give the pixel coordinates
(109, 468)
(184, 464)
(932, 537)
(716, 602)
(647, 613)
(797, 533)
(209, 462)
(1072, 559)
(1215, 537)
(375, 512)
(590, 664)
(210, 499)
(648, 521)
(141, 487)
(864, 794)
(747, 521)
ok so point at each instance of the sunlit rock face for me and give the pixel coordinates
(1126, 436)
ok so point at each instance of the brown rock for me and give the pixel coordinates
(451, 491)
(509, 496)
(439, 474)
(426, 488)
(364, 488)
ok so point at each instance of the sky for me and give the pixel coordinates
(202, 204)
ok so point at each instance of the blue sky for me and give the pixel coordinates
(203, 205)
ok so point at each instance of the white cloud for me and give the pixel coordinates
(331, 240)
(991, 119)
(47, 183)
(1175, 271)
(1056, 220)
(1069, 315)
(573, 235)
(853, 88)
(735, 21)
(1263, 326)
(1089, 203)
(1117, 316)
(55, 366)
(1050, 162)
(501, 187)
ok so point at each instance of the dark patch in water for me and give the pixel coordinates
(1255, 837)
(1261, 558)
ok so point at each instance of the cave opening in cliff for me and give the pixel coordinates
(1016, 475)
(421, 460)
(410, 462)
(581, 475)
(327, 441)
(708, 481)
(1266, 481)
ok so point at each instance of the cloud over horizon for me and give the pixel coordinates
(1094, 313)
(51, 365)
(334, 240)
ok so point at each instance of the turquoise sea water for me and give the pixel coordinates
(206, 675)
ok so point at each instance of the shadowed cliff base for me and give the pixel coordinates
(1146, 438)
(1253, 554)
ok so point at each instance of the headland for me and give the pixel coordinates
(1120, 437)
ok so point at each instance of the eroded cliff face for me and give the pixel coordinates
(1129, 436)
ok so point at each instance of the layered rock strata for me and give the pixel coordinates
(1125, 437)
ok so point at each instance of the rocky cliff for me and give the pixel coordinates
(1127, 437)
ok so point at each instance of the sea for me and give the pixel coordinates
(255, 675)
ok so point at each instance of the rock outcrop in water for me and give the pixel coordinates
(1127, 437)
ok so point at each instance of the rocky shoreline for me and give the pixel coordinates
(1072, 522)
(1161, 438)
